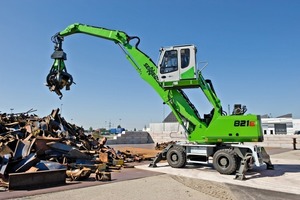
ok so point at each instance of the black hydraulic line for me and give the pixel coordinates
(190, 103)
(135, 37)
(211, 85)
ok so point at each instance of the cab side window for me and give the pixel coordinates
(169, 62)
(185, 57)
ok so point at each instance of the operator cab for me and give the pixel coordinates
(177, 67)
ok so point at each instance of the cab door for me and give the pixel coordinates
(187, 58)
(168, 67)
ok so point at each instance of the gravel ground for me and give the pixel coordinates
(208, 188)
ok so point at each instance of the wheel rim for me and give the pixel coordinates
(174, 157)
(223, 162)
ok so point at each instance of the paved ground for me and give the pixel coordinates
(287, 172)
(197, 182)
(152, 188)
(122, 175)
(285, 177)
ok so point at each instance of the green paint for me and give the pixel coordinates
(219, 129)
(189, 74)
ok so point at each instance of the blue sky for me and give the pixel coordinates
(252, 47)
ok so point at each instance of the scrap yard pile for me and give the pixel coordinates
(33, 146)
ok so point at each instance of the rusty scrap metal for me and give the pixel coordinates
(79, 174)
(37, 179)
(5, 160)
(30, 144)
(103, 176)
(163, 145)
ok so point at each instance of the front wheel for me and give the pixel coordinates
(225, 161)
(176, 157)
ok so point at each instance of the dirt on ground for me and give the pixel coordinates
(213, 189)
(146, 153)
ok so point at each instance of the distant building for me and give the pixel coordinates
(168, 130)
(281, 125)
(171, 130)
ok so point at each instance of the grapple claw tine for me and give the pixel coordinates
(56, 81)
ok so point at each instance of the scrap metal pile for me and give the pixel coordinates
(163, 145)
(32, 144)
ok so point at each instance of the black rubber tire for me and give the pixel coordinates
(176, 157)
(225, 161)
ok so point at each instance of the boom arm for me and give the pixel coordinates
(141, 62)
(180, 105)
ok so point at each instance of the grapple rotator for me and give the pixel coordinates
(58, 77)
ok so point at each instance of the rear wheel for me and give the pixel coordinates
(225, 161)
(176, 157)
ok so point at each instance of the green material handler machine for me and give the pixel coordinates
(216, 135)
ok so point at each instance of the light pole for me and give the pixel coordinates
(11, 110)
(61, 109)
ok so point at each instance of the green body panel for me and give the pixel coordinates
(189, 74)
(181, 84)
(235, 128)
(58, 65)
(217, 130)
